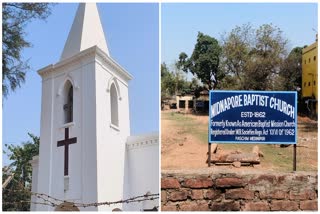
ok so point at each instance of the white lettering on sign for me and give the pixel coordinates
(255, 99)
(226, 104)
(282, 106)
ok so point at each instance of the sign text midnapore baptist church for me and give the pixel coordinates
(253, 117)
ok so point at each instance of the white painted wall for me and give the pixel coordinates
(142, 170)
(86, 21)
(96, 161)
(82, 155)
(45, 153)
(111, 140)
(88, 134)
(34, 187)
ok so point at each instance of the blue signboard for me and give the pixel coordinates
(253, 117)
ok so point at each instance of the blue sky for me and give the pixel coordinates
(132, 34)
(180, 23)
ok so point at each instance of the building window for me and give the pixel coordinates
(182, 104)
(314, 58)
(314, 82)
(309, 84)
(114, 105)
(68, 102)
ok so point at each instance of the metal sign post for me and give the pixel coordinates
(209, 154)
(295, 157)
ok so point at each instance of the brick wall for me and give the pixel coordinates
(229, 191)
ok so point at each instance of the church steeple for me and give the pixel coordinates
(86, 31)
(86, 153)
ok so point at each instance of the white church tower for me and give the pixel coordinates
(85, 129)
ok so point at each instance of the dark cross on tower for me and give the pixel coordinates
(66, 143)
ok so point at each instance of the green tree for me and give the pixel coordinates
(236, 50)
(167, 82)
(291, 70)
(204, 61)
(173, 82)
(182, 86)
(15, 17)
(19, 187)
(252, 58)
(194, 84)
(267, 56)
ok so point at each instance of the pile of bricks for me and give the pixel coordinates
(239, 192)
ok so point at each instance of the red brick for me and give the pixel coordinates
(277, 194)
(301, 178)
(225, 206)
(203, 206)
(199, 183)
(178, 195)
(256, 206)
(196, 194)
(239, 194)
(309, 205)
(263, 178)
(213, 194)
(230, 182)
(194, 206)
(302, 195)
(281, 179)
(169, 183)
(168, 208)
(163, 196)
(284, 205)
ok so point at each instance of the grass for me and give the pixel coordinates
(186, 124)
(276, 158)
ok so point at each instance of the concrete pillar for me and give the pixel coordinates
(178, 101)
(186, 105)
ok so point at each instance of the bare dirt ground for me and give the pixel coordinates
(180, 149)
(184, 145)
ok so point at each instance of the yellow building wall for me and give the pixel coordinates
(310, 71)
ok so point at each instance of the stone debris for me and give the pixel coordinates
(236, 164)
(235, 158)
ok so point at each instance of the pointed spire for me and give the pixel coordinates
(86, 31)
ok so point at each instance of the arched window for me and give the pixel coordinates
(68, 102)
(114, 105)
